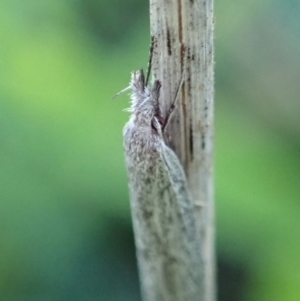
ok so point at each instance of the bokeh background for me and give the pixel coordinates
(65, 229)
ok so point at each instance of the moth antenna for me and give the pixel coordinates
(122, 91)
(150, 61)
(173, 105)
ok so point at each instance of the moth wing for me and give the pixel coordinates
(182, 210)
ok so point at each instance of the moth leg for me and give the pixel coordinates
(157, 125)
(199, 203)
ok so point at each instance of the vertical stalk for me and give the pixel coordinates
(182, 37)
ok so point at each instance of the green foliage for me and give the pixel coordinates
(64, 218)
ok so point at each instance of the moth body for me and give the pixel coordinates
(167, 244)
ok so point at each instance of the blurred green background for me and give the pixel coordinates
(65, 229)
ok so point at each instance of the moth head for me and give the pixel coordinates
(143, 97)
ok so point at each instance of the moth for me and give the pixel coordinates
(168, 251)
